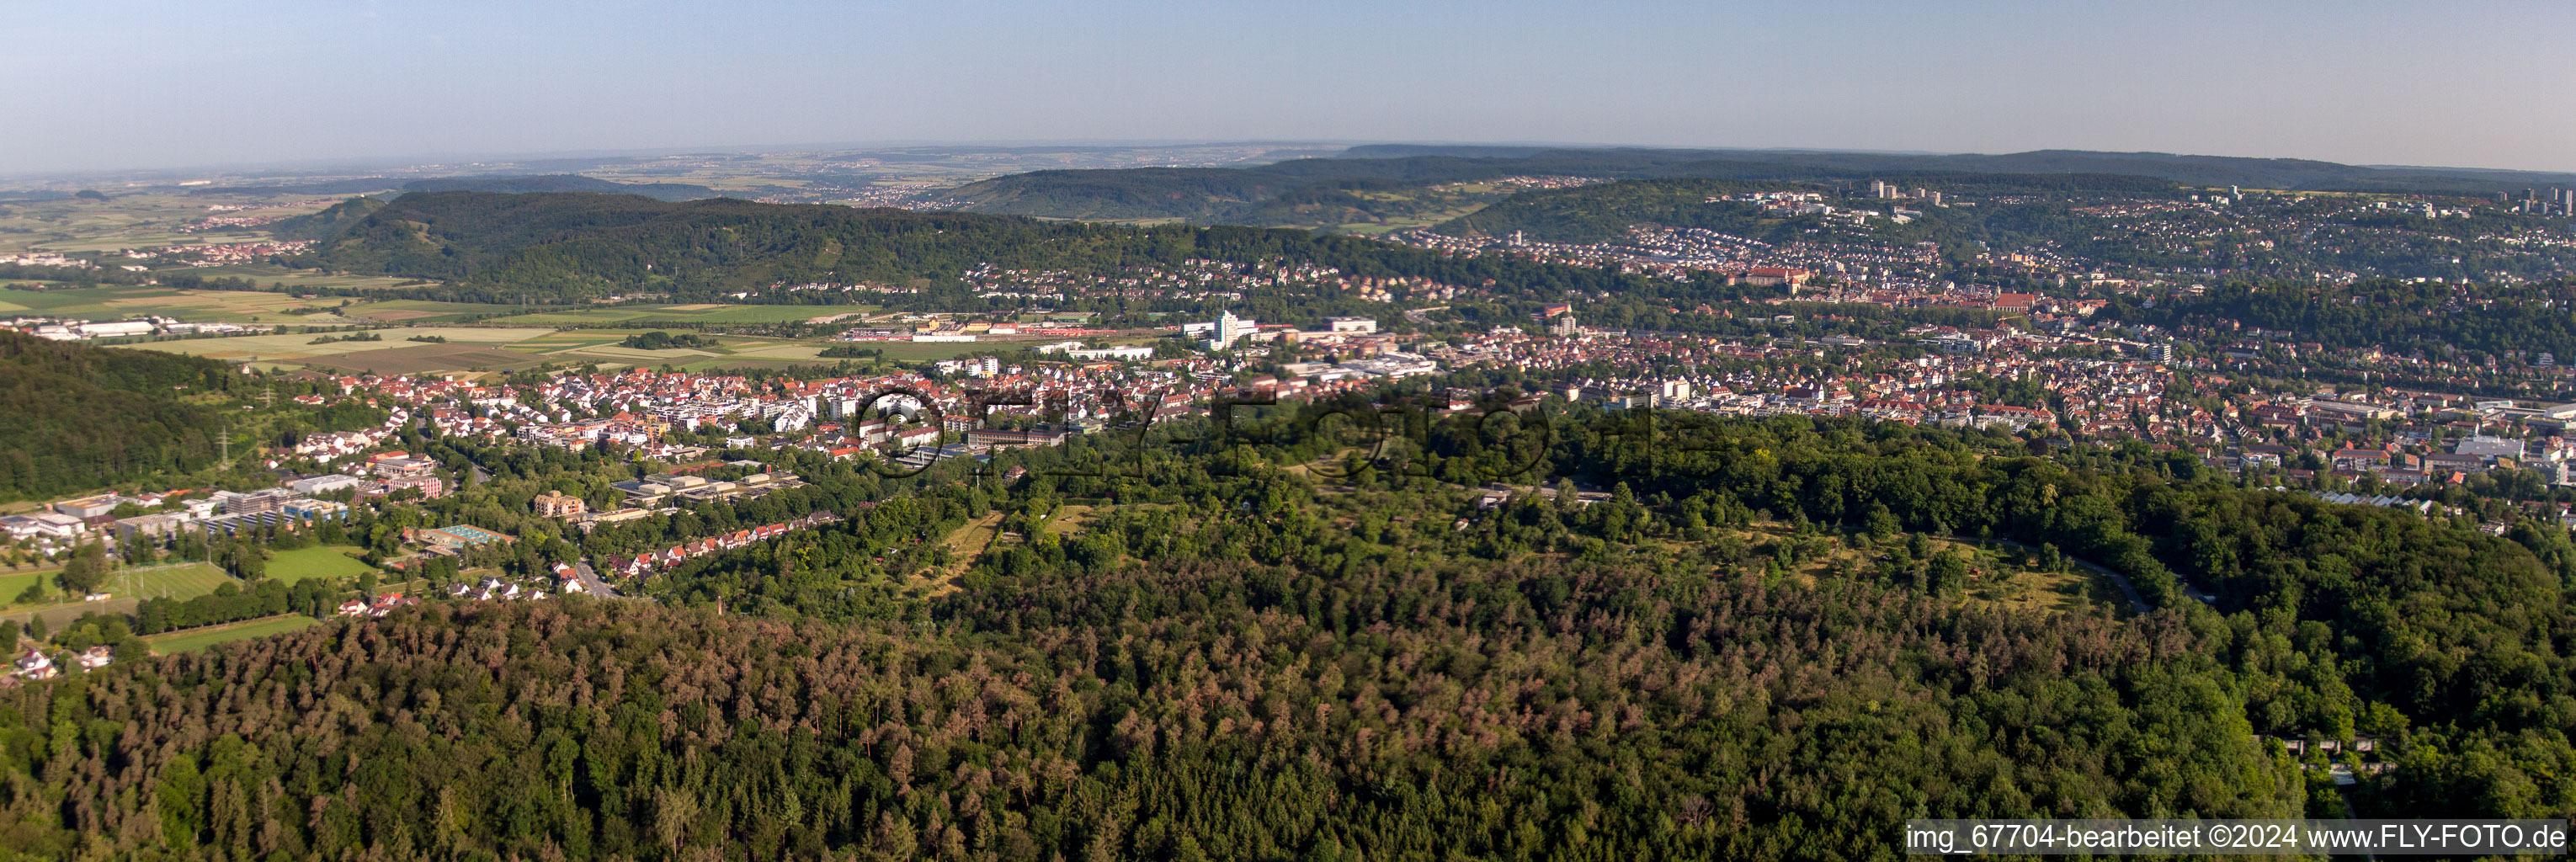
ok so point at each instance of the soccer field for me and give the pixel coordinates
(321, 562)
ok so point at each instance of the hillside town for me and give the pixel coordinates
(2055, 386)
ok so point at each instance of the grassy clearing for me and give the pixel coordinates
(2000, 576)
(13, 584)
(1068, 519)
(2008, 584)
(964, 544)
(190, 640)
(329, 561)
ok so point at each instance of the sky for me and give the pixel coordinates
(103, 85)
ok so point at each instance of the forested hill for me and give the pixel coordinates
(78, 417)
(2400, 317)
(571, 246)
(1233, 661)
(327, 223)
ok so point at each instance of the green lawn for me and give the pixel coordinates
(189, 640)
(318, 562)
(12, 585)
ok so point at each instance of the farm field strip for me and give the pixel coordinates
(191, 640)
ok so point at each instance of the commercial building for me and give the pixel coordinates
(89, 507)
(323, 484)
(150, 527)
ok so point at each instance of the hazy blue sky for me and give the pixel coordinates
(117, 84)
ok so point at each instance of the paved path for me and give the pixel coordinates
(590, 581)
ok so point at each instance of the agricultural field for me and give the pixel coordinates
(645, 315)
(423, 311)
(466, 348)
(923, 351)
(191, 640)
(117, 302)
(131, 221)
(492, 348)
(272, 274)
(304, 564)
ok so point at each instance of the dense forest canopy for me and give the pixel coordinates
(81, 418)
(1231, 660)
(328, 223)
(78, 417)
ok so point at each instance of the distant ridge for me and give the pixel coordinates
(1251, 195)
(2274, 173)
(560, 183)
(366, 185)
(508, 183)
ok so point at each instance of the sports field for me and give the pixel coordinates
(180, 581)
(330, 561)
(127, 587)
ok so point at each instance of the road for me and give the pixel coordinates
(590, 581)
(1423, 315)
